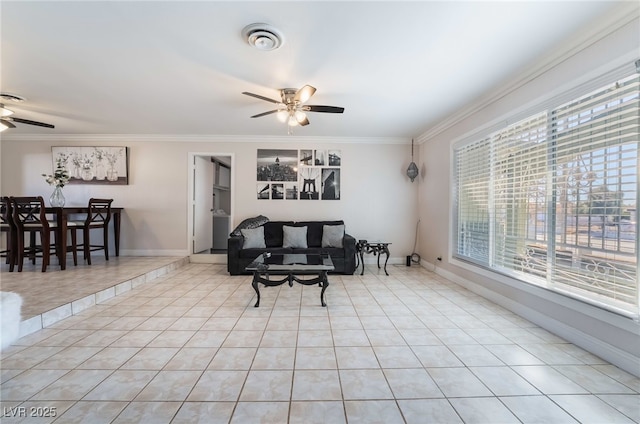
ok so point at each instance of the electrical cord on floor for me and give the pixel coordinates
(415, 258)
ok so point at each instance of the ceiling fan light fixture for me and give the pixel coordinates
(3, 126)
(263, 36)
(291, 109)
(300, 116)
(282, 115)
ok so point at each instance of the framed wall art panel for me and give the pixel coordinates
(304, 174)
(93, 165)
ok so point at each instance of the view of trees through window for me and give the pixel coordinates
(552, 199)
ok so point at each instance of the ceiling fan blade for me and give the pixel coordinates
(26, 121)
(266, 113)
(257, 96)
(304, 94)
(325, 109)
(7, 123)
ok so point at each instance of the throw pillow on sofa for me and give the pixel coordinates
(294, 236)
(253, 238)
(332, 235)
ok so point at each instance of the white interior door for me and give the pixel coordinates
(202, 205)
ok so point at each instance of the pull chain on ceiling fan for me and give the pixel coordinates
(291, 108)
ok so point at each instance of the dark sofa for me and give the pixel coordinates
(344, 259)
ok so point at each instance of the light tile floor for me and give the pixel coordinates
(44, 291)
(190, 347)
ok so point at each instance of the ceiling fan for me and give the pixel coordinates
(6, 120)
(291, 108)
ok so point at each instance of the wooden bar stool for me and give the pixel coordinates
(7, 226)
(98, 217)
(29, 217)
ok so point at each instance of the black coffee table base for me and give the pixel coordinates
(321, 280)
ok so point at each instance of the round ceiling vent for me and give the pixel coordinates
(263, 36)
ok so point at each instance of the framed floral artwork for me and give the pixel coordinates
(93, 165)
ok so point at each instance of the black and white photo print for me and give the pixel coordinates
(277, 191)
(309, 183)
(291, 191)
(263, 191)
(335, 157)
(306, 157)
(320, 157)
(330, 184)
(277, 165)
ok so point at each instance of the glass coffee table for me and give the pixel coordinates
(291, 265)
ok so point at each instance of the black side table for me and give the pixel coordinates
(375, 247)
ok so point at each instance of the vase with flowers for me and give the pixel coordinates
(76, 160)
(59, 179)
(112, 158)
(87, 167)
(101, 172)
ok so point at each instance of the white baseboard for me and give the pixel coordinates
(606, 351)
(427, 265)
(369, 259)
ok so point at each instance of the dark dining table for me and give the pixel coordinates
(62, 217)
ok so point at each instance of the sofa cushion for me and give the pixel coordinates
(273, 233)
(253, 238)
(294, 236)
(332, 235)
(314, 230)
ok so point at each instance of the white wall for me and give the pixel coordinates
(377, 200)
(611, 336)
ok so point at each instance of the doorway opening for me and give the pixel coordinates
(211, 200)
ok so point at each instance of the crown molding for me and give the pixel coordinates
(198, 138)
(623, 15)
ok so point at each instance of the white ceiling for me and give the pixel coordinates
(398, 68)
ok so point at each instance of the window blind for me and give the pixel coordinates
(520, 165)
(596, 180)
(552, 200)
(471, 165)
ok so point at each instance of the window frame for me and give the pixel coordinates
(515, 279)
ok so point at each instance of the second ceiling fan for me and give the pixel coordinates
(7, 121)
(291, 108)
